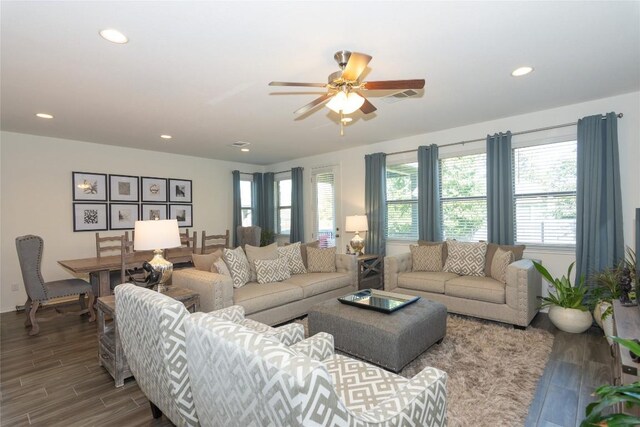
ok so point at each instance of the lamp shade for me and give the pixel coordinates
(356, 223)
(156, 234)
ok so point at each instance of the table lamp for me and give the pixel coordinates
(157, 235)
(357, 223)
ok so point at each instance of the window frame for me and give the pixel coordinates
(278, 207)
(250, 208)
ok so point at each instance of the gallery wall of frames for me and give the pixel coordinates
(116, 202)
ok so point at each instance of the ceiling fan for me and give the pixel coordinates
(344, 87)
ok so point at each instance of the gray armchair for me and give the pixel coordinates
(249, 235)
(30, 250)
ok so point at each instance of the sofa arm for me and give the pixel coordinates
(524, 286)
(394, 265)
(234, 313)
(422, 401)
(348, 264)
(216, 290)
(317, 347)
(288, 334)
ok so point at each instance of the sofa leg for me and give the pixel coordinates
(522, 328)
(155, 411)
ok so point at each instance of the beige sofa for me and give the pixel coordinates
(271, 303)
(515, 302)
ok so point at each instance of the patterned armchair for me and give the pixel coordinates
(241, 377)
(151, 328)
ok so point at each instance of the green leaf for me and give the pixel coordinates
(630, 344)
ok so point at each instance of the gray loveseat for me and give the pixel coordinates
(271, 303)
(514, 302)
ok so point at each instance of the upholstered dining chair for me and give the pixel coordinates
(249, 235)
(30, 250)
(213, 242)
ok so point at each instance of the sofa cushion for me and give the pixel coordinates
(518, 252)
(501, 260)
(476, 288)
(205, 262)
(444, 248)
(293, 255)
(426, 257)
(259, 252)
(303, 251)
(426, 281)
(318, 283)
(465, 258)
(256, 297)
(272, 270)
(321, 260)
(238, 265)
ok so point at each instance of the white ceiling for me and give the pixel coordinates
(199, 70)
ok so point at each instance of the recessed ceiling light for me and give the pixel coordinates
(246, 150)
(44, 116)
(114, 36)
(522, 71)
(166, 136)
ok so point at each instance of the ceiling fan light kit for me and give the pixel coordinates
(342, 95)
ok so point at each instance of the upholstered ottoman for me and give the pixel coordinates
(387, 340)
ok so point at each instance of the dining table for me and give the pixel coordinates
(105, 264)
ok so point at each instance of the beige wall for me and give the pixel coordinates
(350, 162)
(35, 177)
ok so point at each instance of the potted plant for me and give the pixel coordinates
(567, 310)
(605, 288)
(599, 413)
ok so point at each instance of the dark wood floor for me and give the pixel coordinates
(54, 378)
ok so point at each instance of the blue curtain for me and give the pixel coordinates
(375, 202)
(268, 202)
(257, 200)
(297, 205)
(237, 206)
(429, 224)
(500, 223)
(599, 238)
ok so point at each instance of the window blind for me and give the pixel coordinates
(325, 217)
(402, 201)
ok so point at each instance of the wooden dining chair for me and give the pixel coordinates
(187, 241)
(213, 242)
(110, 244)
(130, 269)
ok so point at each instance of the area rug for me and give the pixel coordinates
(492, 370)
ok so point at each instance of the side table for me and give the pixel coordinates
(110, 353)
(370, 272)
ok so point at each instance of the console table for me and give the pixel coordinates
(110, 353)
(370, 271)
(626, 323)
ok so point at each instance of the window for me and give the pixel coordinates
(283, 206)
(463, 197)
(402, 201)
(545, 193)
(324, 188)
(246, 209)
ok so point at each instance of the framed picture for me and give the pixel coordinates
(180, 190)
(154, 190)
(150, 211)
(123, 216)
(123, 188)
(89, 216)
(89, 186)
(183, 213)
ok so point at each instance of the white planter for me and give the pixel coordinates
(570, 319)
(607, 323)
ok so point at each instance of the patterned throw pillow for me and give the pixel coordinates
(465, 258)
(321, 260)
(303, 251)
(501, 260)
(259, 252)
(294, 258)
(238, 266)
(272, 270)
(426, 258)
(220, 268)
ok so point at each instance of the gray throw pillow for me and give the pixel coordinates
(272, 270)
(465, 258)
(238, 266)
(501, 260)
(294, 258)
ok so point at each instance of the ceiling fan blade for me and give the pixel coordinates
(356, 65)
(367, 107)
(318, 101)
(298, 84)
(394, 84)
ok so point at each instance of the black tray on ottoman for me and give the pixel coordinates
(389, 340)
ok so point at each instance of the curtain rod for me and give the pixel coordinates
(485, 138)
(275, 173)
